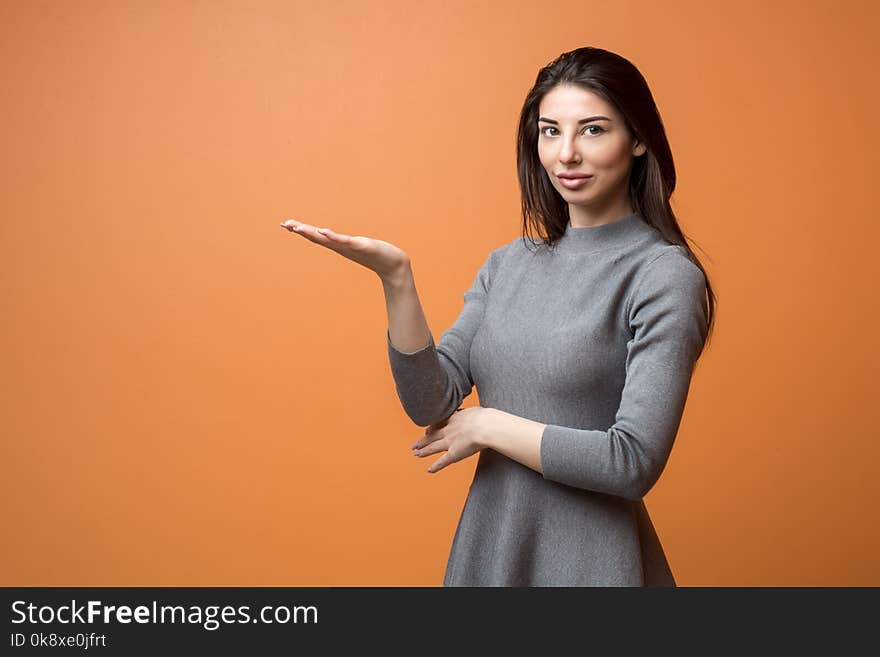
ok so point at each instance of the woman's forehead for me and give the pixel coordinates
(571, 102)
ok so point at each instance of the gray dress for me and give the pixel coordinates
(598, 340)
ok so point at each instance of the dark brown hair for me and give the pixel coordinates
(652, 178)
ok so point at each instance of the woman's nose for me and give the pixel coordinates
(567, 153)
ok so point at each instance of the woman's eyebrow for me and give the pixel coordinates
(586, 120)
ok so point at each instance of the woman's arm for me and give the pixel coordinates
(516, 437)
(408, 329)
(432, 380)
(668, 316)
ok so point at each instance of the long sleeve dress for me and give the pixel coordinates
(597, 338)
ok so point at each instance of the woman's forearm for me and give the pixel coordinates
(407, 326)
(516, 437)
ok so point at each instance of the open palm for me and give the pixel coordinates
(380, 256)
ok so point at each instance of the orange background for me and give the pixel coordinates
(194, 396)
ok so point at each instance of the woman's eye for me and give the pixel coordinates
(589, 127)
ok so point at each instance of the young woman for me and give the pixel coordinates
(581, 344)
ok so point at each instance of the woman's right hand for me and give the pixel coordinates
(387, 260)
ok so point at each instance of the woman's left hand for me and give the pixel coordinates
(462, 434)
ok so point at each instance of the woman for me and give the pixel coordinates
(581, 346)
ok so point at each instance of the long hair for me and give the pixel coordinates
(652, 178)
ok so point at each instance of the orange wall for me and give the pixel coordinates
(194, 396)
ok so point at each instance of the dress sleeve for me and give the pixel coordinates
(668, 318)
(432, 381)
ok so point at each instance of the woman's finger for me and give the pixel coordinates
(324, 236)
(431, 434)
(432, 448)
(440, 463)
(311, 233)
(292, 225)
(427, 446)
(333, 235)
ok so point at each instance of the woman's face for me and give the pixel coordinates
(580, 133)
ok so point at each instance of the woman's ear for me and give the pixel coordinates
(639, 149)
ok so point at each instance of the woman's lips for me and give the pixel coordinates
(574, 183)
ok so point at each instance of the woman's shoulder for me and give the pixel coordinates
(519, 246)
(507, 251)
(669, 260)
(649, 252)
(668, 278)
